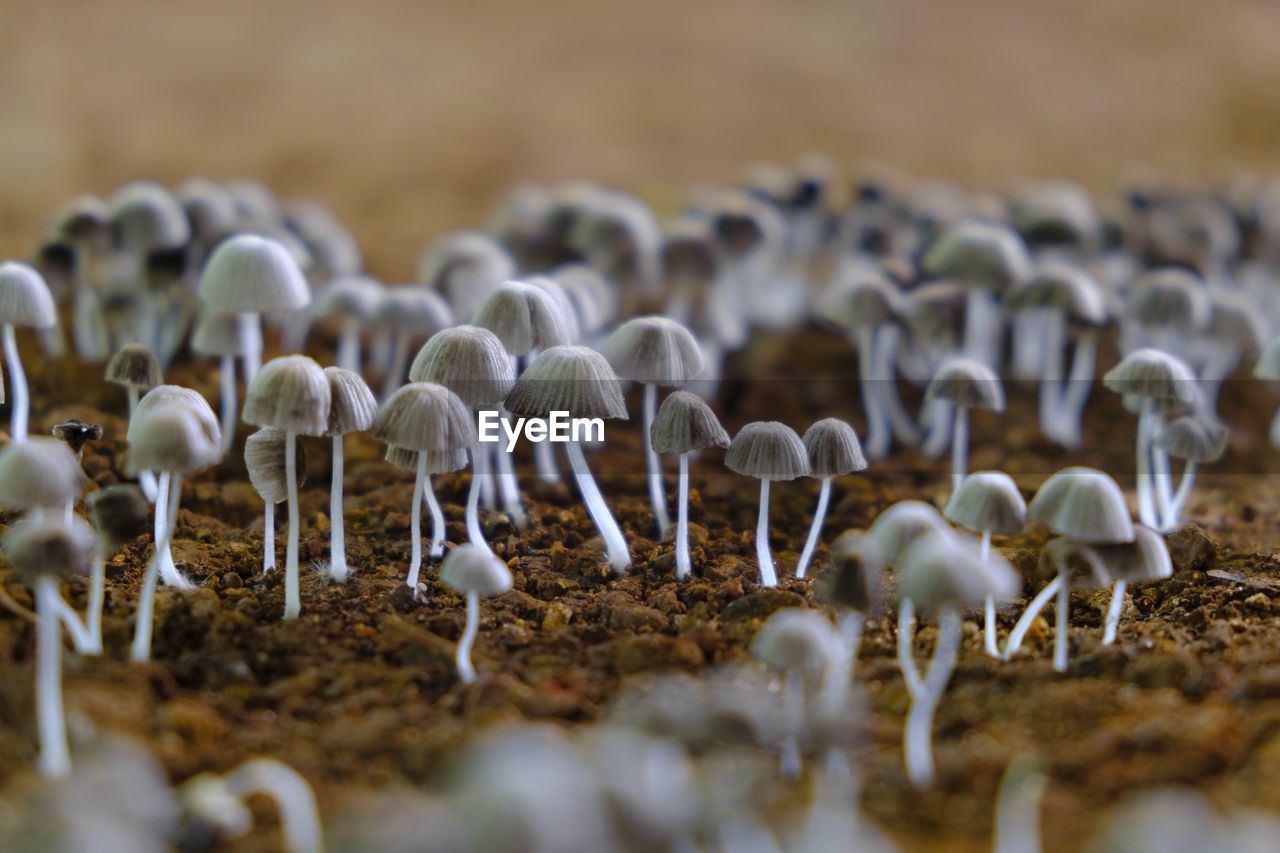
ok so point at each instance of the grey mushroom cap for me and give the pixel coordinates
(39, 472)
(50, 545)
(1194, 438)
(862, 296)
(655, 350)
(334, 251)
(473, 568)
(1172, 298)
(163, 395)
(425, 416)
(1168, 406)
(900, 525)
(121, 513)
(1084, 504)
(465, 266)
(796, 638)
(980, 254)
(833, 448)
(216, 334)
(25, 299)
(352, 407)
(209, 208)
(686, 424)
(135, 366)
(1236, 318)
(438, 462)
(1069, 287)
(148, 218)
(264, 457)
(572, 379)
(413, 310)
(469, 361)
(988, 501)
(969, 383)
(592, 296)
(1153, 373)
(256, 204)
(1054, 212)
(768, 450)
(252, 274)
(77, 220)
(854, 580)
(171, 437)
(349, 296)
(568, 310)
(1081, 563)
(289, 393)
(523, 316)
(946, 568)
(1144, 559)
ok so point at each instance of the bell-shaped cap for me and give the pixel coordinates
(216, 334)
(469, 361)
(256, 205)
(1236, 318)
(209, 208)
(1084, 504)
(688, 251)
(76, 433)
(353, 296)
(162, 395)
(593, 297)
(464, 267)
(248, 274)
(654, 350)
(900, 525)
(947, 568)
(988, 501)
(475, 569)
(1170, 298)
(39, 472)
(424, 416)
(559, 294)
(833, 448)
(1195, 438)
(83, 219)
(1055, 213)
(52, 544)
(968, 383)
(799, 639)
(686, 424)
(1067, 287)
(524, 317)
(438, 462)
(1155, 374)
(854, 580)
(1080, 563)
(860, 296)
(768, 450)
(264, 458)
(1144, 559)
(147, 218)
(980, 254)
(334, 251)
(135, 366)
(121, 513)
(352, 407)
(572, 379)
(171, 437)
(25, 300)
(290, 393)
(414, 311)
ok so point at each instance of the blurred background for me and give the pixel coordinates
(410, 118)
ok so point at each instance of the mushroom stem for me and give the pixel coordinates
(1220, 361)
(415, 523)
(170, 485)
(906, 658)
(292, 597)
(793, 699)
(1146, 500)
(1071, 407)
(989, 632)
(1162, 476)
(81, 638)
(20, 402)
(879, 435)
(268, 538)
(768, 576)
(918, 743)
(657, 494)
(55, 759)
(146, 479)
(467, 672)
(394, 377)
(299, 817)
(437, 518)
(888, 341)
(615, 543)
(1113, 614)
(474, 531)
(1029, 615)
(683, 562)
(349, 345)
(1017, 828)
(938, 419)
(835, 686)
(166, 517)
(488, 481)
(227, 398)
(508, 486)
(250, 325)
(97, 595)
(1174, 516)
(982, 325)
(544, 459)
(959, 447)
(815, 529)
(338, 569)
(1051, 371)
(1061, 643)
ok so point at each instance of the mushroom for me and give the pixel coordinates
(967, 384)
(222, 802)
(352, 408)
(767, 450)
(333, 249)
(1143, 560)
(579, 381)
(1165, 310)
(654, 351)
(1195, 439)
(39, 474)
(463, 267)
(1237, 324)
(81, 226)
(834, 451)
(76, 435)
(353, 302)
(265, 459)
(988, 502)
(408, 314)
(685, 424)
(25, 301)
(475, 572)
(150, 226)
(41, 549)
(135, 368)
(219, 335)
(120, 514)
(852, 587)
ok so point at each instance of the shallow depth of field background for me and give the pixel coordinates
(409, 118)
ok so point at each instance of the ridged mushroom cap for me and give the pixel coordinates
(988, 500)
(768, 450)
(1057, 284)
(438, 462)
(593, 298)
(171, 437)
(264, 458)
(135, 366)
(1088, 566)
(833, 448)
(795, 638)
(352, 406)
(49, 545)
(469, 361)
(475, 569)
(686, 424)
(1170, 298)
(424, 416)
(967, 382)
(248, 274)
(415, 310)
(349, 296)
(39, 472)
(568, 311)
(655, 350)
(947, 568)
(120, 513)
(1195, 439)
(25, 299)
(146, 217)
(980, 254)
(1083, 504)
(572, 379)
(1155, 374)
(524, 317)
(289, 393)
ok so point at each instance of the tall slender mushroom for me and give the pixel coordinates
(1141, 561)
(967, 384)
(290, 393)
(767, 450)
(852, 587)
(474, 571)
(81, 225)
(136, 368)
(25, 301)
(120, 513)
(407, 314)
(1195, 439)
(685, 424)
(834, 451)
(654, 351)
(149, 225)
(351, 301)
(266, 459)
(219, 335)
(352, 408)
(463, 267)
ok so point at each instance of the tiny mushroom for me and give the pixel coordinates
(267, 464)
(408, 314)
(967, 384)
(219, 335)
(120, 514)
(767, 450)
(25, 301)
(136, 368)
(352, 408)
(1195, 439)
(475, 572)
(834, 451)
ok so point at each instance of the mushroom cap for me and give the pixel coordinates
(1237, 319)
(135, 366)
(39, 472)
(935, 312)
(49, 545)
(560, 296)
(354, 296)
(593, 297)
(1069, 287)
(469, 361)
(248, 274)
(688, 251)
(1153, 373)
(768, 450)
(743, 224)
(1144, 559)
(76, 434)
(334, 251)
(414, 310)
(900, 525)
(291, 393)
(216, 334)
(861, 295)
(1083, 504)
(80, 219)
(833, 448)
(988, 500)
(147, 218)
(173, 437)
(1169, 298)
(255, 203)
(162, 395)
(572, 379)
(796, 638)
(120, 513)
(25, 299)
(464, 267)
(523, 316)
(472, 568)
(946, 568)
(979, 254)
(425, 416)
(655, 350)
(1054, 213)
(352, 407)
(968, 383)
(1081, 563)
(210, 209)
(686, 424)
(438, 462)
(1268, 366)
(264, 457)
(854, 581)
(1194, 438)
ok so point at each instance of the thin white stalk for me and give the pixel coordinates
(906, 655)
(959, 448)
(982, 326)
(437, 518)
(81, 637)
(1027, 354)
(815, 529)
(1061, 641)
(937, 418)
(228, 401)
(415, 524)
(1084, 361)
(918, 740)
(467, 672)
(292, 595)
(793, 701)
(768, 576)
(268, 538)
(141, 650)
(338, 569)
(683, 561)
(474, 532)
(835, 686)
(395, 368)
(657, 493)
(97, 595)
(1174, 518)
(614, 542)
(349, 344)
(299, 817)
(1113, 613)
(544, 460)
(1162, 476)
(879, 435)
(1222, 360)
(166, 516)
(1053, 342)
(19, 397)
(992, 640)
(55, 756)
(509, 486)
(1017, 827)
(488, 479)
(1020, 628)
(888, 341)
(1146, 499)
(146, 479)
(250, 327)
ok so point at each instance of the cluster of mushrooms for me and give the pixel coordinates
(575, 289)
